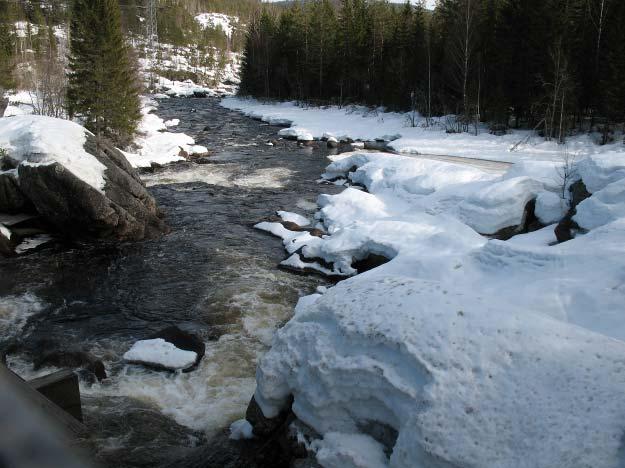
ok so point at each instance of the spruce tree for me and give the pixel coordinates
(103, 84)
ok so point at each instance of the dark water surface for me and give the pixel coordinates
(214, 274)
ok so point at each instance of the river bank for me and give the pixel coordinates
(214, 275)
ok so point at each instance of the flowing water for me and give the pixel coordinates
(214, 275)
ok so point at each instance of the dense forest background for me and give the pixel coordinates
(554, 65)
(35, 31)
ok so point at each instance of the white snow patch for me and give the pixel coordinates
(338, 450)
(477, 352)
(241, 429)
(36, 140)
(294, 218)
(550, 208)
(160, 352)
(218, 20)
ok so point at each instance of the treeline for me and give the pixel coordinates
(553, 65)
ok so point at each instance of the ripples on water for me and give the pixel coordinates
(214, 275)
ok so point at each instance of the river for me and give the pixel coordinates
(213, 275)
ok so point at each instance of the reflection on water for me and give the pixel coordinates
(214, 275)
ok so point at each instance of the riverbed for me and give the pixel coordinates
(213, 275)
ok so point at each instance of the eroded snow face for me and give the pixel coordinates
(477, 352)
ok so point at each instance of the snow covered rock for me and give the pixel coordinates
(183, 340)
(81, 186)
(550, 208)
(159, 354)
(604, 206)
(241, 429)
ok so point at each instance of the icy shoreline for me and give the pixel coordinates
(476, 352)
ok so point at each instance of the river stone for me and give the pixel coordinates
(6, 244)
(125, 211)
(262, 425)
(183, 340)
(12, 200)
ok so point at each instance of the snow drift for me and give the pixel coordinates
(471, 352)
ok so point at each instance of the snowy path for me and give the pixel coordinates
(484, 164)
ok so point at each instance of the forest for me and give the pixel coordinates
(556, 66)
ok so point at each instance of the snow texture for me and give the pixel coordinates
(241, 429)
(160, 353)
(38, 140)
(478, 352)
(218, 20)
(157, 145)
(294, 218)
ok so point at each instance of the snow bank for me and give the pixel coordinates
(160, 353)
(475, 352)
(36, 140)
(361, 123)
(157, 145)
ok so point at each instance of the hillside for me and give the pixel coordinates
(199, 40)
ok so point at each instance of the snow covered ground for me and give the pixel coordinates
(224, 22)
(155, 144)
(474, 352)
(360, 123)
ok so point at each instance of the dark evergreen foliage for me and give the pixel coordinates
(554, 65)
(103, 86)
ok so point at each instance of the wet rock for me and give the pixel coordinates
(125, 211)
(370, 262)
(87, 365)
(529, 223)
(578, 193)
(12, 200)
(291, 226)
(332, 142)
(183, 340)
(182, 153)
(200, 94)
(264, 426)
(316, 232)
(565, 230)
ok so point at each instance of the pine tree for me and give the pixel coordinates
(103, 84)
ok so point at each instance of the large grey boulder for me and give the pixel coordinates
(12, 200)
(124, 210)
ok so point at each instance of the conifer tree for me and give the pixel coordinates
(103, 84)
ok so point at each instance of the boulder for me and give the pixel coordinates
(183, 340)
(88, 366)
(333, 142)
(12, 200)
(123, 210)
(262, 425)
